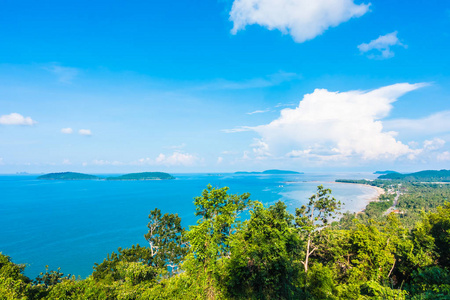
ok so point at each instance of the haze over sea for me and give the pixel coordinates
(73, 224)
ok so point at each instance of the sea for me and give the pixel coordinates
(74, 224)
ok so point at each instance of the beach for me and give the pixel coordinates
(379, 191)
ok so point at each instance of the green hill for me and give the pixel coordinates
(384, 172)
(423, 176)
(143, 176)
(68, 176)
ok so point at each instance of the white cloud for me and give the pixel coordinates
(444, 156)
(433, 124)
(175, 159)
(433, 144)
(1, 161)
(86, 132)
(66, 162)
(67, 130)
(258, 112)
(238, 129)
(219, 160)
(383, 45)
(64, 74)
(335, 125)
(302, 19)
(16, 119)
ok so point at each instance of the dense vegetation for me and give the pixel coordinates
(270, 255)
(143, 176)
(68, 176)
(424, 176)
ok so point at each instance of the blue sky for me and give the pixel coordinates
(219, 86)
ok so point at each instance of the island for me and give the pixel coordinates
(423, 176)
(269, 172)
(143, 176)
(68, 176)
(131, 176)
(385, 172)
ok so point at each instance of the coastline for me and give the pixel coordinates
(374, 198)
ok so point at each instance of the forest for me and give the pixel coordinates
(240, 249)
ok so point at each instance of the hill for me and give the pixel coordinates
(423, 176)
(68, 176)
(384, 172)
(143, 176)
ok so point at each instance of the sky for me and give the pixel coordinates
(224, 86)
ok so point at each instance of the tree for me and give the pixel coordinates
(166, 238)
(210, 238)
(167, 248)
(263, 258)
(314, 217)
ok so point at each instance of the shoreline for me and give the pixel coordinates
(375, 198)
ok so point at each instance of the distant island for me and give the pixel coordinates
(143, 176)
(269, 172)
(384, 172)
(131, 176)
(68, 176)
(424, 176)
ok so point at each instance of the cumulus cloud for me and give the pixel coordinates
(335, 126)
(219, 160)
(67, 130)
(16, 119)
(302, 19)
(66, 162)
(175, 159)
(381, 46)
(86, 132)
(444, 156)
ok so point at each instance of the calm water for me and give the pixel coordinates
(73, 224)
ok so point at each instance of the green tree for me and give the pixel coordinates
(13, 284)
(314, 217)
(210, 238)
(167, 241)
(263, 261)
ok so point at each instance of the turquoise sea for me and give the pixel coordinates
(73, 224)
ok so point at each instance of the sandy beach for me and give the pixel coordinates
(379, 191)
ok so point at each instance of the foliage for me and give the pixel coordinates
(167, 241)
(263, 260)
(210, 238)
(428, 176)
(312, 218)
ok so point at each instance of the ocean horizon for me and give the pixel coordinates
(74, 224)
